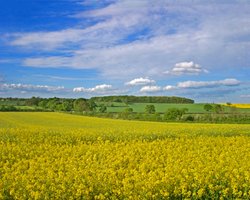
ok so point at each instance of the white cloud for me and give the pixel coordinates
(113, 24)
(97, 89)
(186, 68)
(28, 87)
(140, 81)
(141, 38)
(136, 58)
(57, 77)
(47, 40)
(169, 87)
(203, 84)
(150, 89)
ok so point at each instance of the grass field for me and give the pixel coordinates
(162, 107)
(62, 156)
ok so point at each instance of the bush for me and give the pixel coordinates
(174, 113)
(103, 109)
(189, 118)
(150, 109)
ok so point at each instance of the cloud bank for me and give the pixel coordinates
(143, 37)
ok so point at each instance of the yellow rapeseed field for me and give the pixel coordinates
(241, 105)
(62, 156)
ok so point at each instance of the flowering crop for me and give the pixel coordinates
(59, 156)
(241, 105)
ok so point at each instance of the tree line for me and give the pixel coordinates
(143, 99)
(82, 104)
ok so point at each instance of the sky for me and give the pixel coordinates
(83, 48)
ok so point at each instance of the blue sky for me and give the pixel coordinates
(77, 48)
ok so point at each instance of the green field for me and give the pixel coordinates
(163, 107)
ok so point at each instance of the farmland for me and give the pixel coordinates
(241, 105)
(143, 108)
(163, 107)
(62, 156)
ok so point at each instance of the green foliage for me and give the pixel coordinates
(208, 107)
(189, 118)
(43, 103)
(9, 101)
(157, 117)
(81, 105)
(142, 99)
(67, 106)
(150, 109)
(34, 101)
(128, 110)
(92, 105)
(52, 103)
(103, 109)
(174, 113)
(218, 108)
(8, 108)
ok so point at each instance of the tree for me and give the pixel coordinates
(43, 103)
(52, 103)
(174, 113)
(67, 106)
(189, 118)
(218, 108)
(126, 113)
(128, 110)
(208, 107)
(81, 105)
(150, 109)
(59, 107)
(34, 101)
(157, 117)
(92, 105)
(103, 108)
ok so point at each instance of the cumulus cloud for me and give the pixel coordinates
(186, 68)
(203, 84)
(28, 87)
(140, 81)
(150, 89)
(97, 89)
